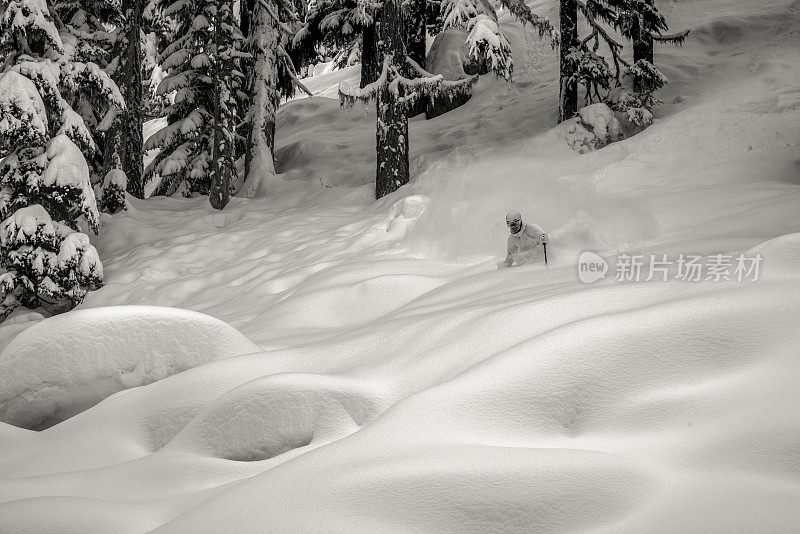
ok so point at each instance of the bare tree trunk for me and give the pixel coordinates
(568, 94)
(222, 155)
(392, 128)
(371, 63)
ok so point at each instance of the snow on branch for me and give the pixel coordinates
(673, 38)
(272, 13)
(287, 60)
(348, 95)
(425, 85)
(522, 12)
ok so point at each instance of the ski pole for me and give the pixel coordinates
(545, 252)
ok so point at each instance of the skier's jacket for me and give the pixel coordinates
(522, 245)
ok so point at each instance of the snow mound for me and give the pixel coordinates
(270, 416)
(65, 364)
(595, 127)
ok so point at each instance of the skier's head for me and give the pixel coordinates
(514, 222)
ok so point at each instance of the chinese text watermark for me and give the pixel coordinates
(662, 267)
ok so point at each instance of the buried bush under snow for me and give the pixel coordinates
(595, 127)
(47, 263)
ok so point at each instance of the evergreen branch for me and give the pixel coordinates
(673, 38)
(612, 43)
(520, 10)
(290, 69)
(280, 24)
(348, 95)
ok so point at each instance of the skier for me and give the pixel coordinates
(522, 242)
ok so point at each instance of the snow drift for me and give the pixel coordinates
(65, 364)
(407, 385)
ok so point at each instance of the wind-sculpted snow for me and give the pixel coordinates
(65, 364)
(403, 383)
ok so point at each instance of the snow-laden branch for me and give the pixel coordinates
(272, 13)
(672, 38)
(287, 60)
(425, 85)
(522, 12)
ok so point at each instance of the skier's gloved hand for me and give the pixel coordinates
(543, 238)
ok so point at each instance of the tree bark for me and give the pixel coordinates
(124, 144)
(264, 99)
(222, 154)
(371, 63)
(245, 16)
(415, 36)
(392, 128)
(416, 32)
(568, 94)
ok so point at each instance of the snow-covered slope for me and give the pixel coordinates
(406, 385)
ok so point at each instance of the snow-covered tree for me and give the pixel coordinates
(185, 161)
(642, 23)
(124, 145)
(393, 94)
(43, 140)
(87, 30)
(582, 64)
(348, 28)
(226, 83)
(269, 36)
(46, 263)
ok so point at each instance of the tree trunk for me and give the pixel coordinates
(222, 155)
(392, 127)
(416, 31)
(415, 36)
(245, 16)
(264, 100)
(642, 50)
(124, 143)
(370, 62)
(568, 94)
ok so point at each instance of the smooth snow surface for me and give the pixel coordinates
(404, 384)
(65, 364)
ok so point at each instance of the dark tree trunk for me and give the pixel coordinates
(642, 51)
(392, 127)
(222, 155)
(415, 35)
(416, 31)
(245, 16)
(370, 62)
(124, 144)
(568, 94)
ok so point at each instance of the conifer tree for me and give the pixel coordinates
(393, 93)
(267, 41)
(124, 146)
(185, 162)
(224, 103)
(642, 23)
(44, 177)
